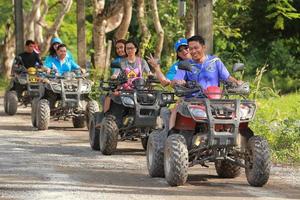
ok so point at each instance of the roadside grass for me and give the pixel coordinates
(3, 84)
(278, 120)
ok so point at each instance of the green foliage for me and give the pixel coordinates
(279, 11)
(275, 122)
(6, 10)
(3, 84)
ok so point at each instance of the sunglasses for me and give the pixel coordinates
(183, 48)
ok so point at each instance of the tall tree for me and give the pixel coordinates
(204, 21)
(81, 39)
(105, 19)
(189, 19)
(123, 28)
(8, 50)
(50, 31)
(158, 28)
(143, 26)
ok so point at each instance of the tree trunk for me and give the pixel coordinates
(19, 28)
(99, 44)
(29, 20)
(65, 8)
(8, 51)
(190, 19)
(99, 34)
(204, 22)
(38, 29)
(104, 20)
(143, 25)
(123, 28)
(81, 41)
(158, 28)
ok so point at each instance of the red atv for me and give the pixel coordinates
(209, 128)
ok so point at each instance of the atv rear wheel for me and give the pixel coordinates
(91, 107)
(11, 102)
(226, 169)
(258, 164)
(176, 160)
(78, 121)
(108, 135)
(144, 142)
(94, 135)
(33, 112)
(155, 154)
(42, 114)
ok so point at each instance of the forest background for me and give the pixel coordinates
(265, 35)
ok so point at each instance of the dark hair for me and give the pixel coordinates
(29, 42)
(197, 38)
(61, 46)
(52, 51)
(122, 41)
(134, 44)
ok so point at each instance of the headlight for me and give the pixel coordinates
(246, 111)
(56, 87)
(127, 101)
(167, 97)
(197, 112)
(85, 88)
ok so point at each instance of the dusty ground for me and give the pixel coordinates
(59, 164)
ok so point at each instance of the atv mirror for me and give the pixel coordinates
(238, 67)
(115, 65)
(185, 65)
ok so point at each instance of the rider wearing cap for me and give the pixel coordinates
(207, 70)
(53, 51)
(61, 63)
(182, 51)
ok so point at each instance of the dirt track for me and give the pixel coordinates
(59, 164)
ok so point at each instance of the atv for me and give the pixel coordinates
(22, 86)
(132, 112)
(209, 128)
(64, 97)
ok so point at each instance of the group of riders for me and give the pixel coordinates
(196, 131)
(207, 70)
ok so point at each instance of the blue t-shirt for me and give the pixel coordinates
(208, 73)
(66, 65)
(172, 71)
(118, 59)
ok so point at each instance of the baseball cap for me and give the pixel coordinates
(180, 42)
(56, 40)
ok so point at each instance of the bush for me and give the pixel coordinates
(278, 120)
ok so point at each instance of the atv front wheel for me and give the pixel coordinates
(33, 112)
(11, 102)
(42, 114)
(94, 135)
(176, 160)
(91, 107)
(78, 121)
(108, 135)
(258, 163)
(226, 169)
(155, 154)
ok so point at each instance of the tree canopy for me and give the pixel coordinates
(255, 32)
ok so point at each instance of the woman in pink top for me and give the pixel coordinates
(133, 65)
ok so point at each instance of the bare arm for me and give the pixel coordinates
(161, 77)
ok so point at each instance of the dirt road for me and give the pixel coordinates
(59, 164)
